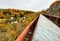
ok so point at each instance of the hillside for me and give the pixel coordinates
(7, 13)
(53, 12)
(13, 22)
(54, 9)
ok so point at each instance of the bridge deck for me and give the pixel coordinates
(46, 30)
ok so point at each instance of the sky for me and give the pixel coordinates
(34, 5)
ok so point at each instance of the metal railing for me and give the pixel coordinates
(54, 19)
